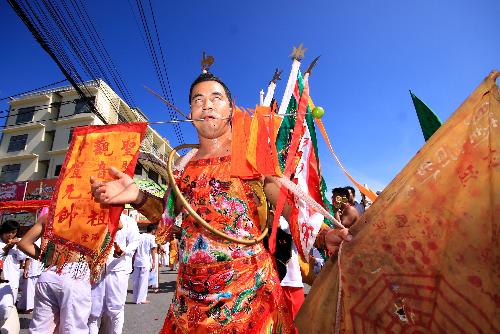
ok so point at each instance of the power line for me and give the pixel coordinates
(22, 14)
(58, 19)
(156, 63)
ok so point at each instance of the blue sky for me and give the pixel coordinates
(372, 53)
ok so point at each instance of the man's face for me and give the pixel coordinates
(7, 236)
(351, 196)
(334, 198)
(210, 103)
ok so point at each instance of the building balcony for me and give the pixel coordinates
(23, 127)
(15, 156)
(76, 118)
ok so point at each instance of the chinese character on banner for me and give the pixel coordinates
(76, 222)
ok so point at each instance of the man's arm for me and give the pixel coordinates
(27, 243)
(27, 264)
(330, 239)
(350, 216)
(153, 256)
(133, 237)
(272, 191)
(123, 190)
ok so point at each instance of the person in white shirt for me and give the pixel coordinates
(62, 300)
(32, 271)
(144, 262)
(165, 256)
(11, 257)
(110, 293)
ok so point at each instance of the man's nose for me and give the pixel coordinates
(207, 104)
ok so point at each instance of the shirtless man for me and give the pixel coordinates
(345, 212)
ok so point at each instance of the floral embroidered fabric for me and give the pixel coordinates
(223, 286)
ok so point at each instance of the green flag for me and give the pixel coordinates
(429, 121)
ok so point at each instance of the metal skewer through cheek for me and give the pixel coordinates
(192, 212)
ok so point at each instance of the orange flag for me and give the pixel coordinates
(427, 259)
(75, 221)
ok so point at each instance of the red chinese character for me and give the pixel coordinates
(127, 147)
(85, 237)
(381, 225)
(306, 230)
(101, 146)
(101, 170)
(65, 214)
(69, 189)
(96, 219)
(401, 221)
(124, 165)
(76, 169)
(95, 237)
(466, 174)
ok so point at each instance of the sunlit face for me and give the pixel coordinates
(7, 236)
(351, 196)
(210, 103)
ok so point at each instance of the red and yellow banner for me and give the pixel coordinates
(75, 220)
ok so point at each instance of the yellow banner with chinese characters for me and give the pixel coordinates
(426, 258)
(76, 222)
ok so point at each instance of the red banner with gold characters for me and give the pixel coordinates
(426, 258)
(75, 221)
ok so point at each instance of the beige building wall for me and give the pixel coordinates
(51, 125)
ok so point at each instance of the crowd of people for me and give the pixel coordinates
(67, 302)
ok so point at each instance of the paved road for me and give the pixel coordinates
(143, 319)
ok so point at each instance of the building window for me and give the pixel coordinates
(70, 134)
(138, 169)
(10, 173)
(17, 143)
(49, 138)
(58, 170)
(82, 106)
(43, 168)
(25, 115)
(153, 175)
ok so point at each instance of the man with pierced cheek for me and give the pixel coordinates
(222, 286)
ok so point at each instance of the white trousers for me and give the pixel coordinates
(62, 304)
(11, 325)
(108, 299)
(141, 279)
(153, 276)
(27, 298)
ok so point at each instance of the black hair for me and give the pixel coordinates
(210, 77)
(341, 192)
(352, 190)
(9, 226)
(151, 228)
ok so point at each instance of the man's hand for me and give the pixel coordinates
(25, 273)
(334, 238)
(14, 241)
(122, 190)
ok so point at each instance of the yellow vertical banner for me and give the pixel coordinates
(75, 221)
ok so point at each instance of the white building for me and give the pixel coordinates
(38, 130)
